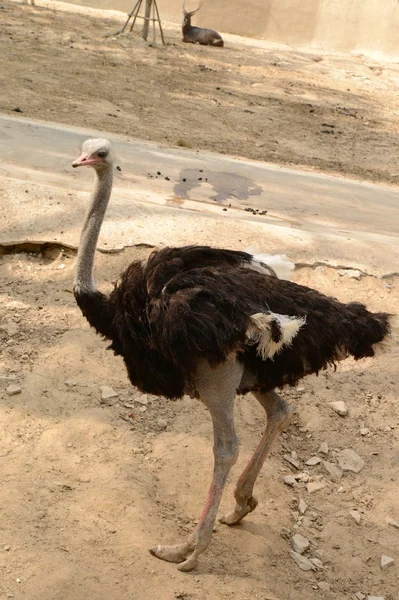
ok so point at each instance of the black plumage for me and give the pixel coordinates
(189, 303)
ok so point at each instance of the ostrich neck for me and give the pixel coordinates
(84, 281)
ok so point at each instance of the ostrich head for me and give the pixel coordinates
(96, 153)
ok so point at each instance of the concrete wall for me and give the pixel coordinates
(370, 26)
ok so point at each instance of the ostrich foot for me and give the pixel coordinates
(186, 554)
(176, 553)
(239, 512)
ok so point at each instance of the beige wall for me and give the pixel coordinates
(370, 26)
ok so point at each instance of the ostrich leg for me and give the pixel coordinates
(279, 415)
(217, 388)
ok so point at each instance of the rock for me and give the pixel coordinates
(6, 548)
(299, 543)
(323, 448)
(70, 382)
(339, 407)
(107, 393)
(352, 273)
(356, 516)
(302, 507)
(359, 596)
(335, 473)
(315, 486)
(162, 423)
(375, 598)
(9, 328)
(292, 461)
(289, 480)
(300, 389)
(316, 562)
(348, 460)
(302, 562)
(302, 477)
(324, 586)
(386, 561)
(393, 523)
(143, 399)
(313, 461)
(364, 431)
(13, 389)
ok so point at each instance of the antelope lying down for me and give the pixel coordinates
(199, 35)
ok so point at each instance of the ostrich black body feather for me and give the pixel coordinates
(186, 304)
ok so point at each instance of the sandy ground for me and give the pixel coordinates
(87, 487)
(330, 112)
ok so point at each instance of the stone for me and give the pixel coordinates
(364, 431)
(10, 328)
(316, 562)
(7, 548)
(339, 407)
(315, 486)
(323, 448)
(13, 389)
(313, 461)
(356, 516)
(304, 477)
(375, 598)
(335, 473)
(162, 423)
(70, 382)
(393, 523)
(359, 596)
(107, 393)
(303, 563)
(289, 480)
(352, 273)
(143, 399)
(324, 586)
(302, 507)
(348, 460)
(292, 461)
(299, 543)
(386, 561)
(300, 389)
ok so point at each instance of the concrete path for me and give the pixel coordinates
(174, 196)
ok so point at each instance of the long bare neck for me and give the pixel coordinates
(84, 281)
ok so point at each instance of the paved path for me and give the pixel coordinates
(314, 218)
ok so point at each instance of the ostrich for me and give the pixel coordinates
(214, 323)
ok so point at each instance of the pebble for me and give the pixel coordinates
(324, 586)
(70, 382)
(386, 561)
(292, 461)
(323, 448)
(339, 407)
(299, 543)
(375, 598)
(289, 480)
(107, 393)
(335, 473)
(14, 389)
(315, 486)
(302, 506)
(316, 562)
(7, 548)
(359, 596)
(143, 399)
(356, 516)
(348, 460)
(162, 423)
(393, 523)
(352, 273)
(364, 431)
(313, 461)
(302, 562)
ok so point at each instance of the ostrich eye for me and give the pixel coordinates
(102, 153)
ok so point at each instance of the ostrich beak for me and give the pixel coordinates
(85, 160)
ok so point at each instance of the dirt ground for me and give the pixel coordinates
(329, 112)
(85, 487)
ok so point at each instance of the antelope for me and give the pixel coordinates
(199, 35)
